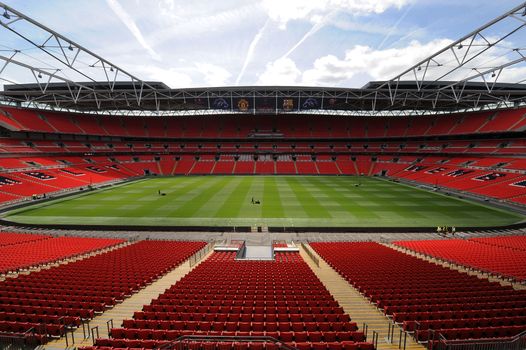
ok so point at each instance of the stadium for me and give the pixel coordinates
(272, 215)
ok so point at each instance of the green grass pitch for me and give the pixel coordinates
(308, 201)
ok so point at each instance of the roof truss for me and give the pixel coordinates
(468, 74)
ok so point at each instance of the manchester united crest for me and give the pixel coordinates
(242, 105)
(288, 104)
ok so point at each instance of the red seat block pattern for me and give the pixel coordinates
(411, 290)
(282, 299)
(79, 289)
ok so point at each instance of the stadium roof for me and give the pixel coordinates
(458, 77)
(374, 97)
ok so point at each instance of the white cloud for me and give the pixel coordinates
(128, 21)
(171, 77)
(377, 64)
(359, 65)
(280, 72)
(312, 10)
(515, 74)
(213, 75)
(166, 7)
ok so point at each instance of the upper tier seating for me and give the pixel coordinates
(425, 296)
(79, 289)
(491, 258)
(505, 120)
(290, 126)
(282, 299)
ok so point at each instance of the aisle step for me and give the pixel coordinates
(126, 309)
(356, 305)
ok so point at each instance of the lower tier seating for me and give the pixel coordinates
(282, 299)
(10, 238)
(488, 175)
(422, 296)
(513, 242)
(20, 256)
(48, 300)
(504, 261)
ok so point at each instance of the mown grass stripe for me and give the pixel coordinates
(285, 201)
(310, 205)
(272, 207)
(235, 200)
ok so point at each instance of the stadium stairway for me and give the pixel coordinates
(453, 266)
(358, 307)
(126, 309)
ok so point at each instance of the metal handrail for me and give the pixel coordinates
(199, 254)
(93, 337)
(109, 325)
(314, 258)
(241, 251)
(209, 338)
(517, 342)
(86, 332)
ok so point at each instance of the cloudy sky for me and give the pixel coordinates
(201, 43)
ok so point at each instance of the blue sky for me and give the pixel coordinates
(269, 42)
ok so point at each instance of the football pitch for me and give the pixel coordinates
(290, 201)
